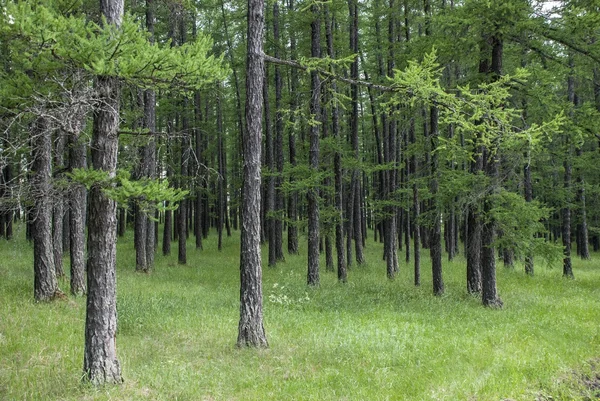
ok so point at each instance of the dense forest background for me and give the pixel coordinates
(459, 129)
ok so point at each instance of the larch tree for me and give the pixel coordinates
(101, 364)
(251, 330)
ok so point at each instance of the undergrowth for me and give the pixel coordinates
(370, 339)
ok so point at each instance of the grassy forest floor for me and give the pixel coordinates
(371, 339)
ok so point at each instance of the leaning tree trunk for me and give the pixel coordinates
(251, 331)
(100, 364)
(45, 284)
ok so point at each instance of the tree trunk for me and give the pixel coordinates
(278, 144)
(435, 245)
(489, 291)
(59, 209)
(77, 215)
(221, 178)
(355, 183)
(528, 186)
(251, 331)
(313, 158)
(337, 164)
(100, 358)
(293, 197)
(198, 223)
(45, 283)
(269, 164)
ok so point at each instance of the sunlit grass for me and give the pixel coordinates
(370, 339)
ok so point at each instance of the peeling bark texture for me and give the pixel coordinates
(77, 215)
(100, 363)
(251, 331)
(45, 283)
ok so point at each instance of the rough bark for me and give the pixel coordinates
(337, 165)
(100, 363)
(435, 243)
(293, 197)
(45, 283)
(313, 155)
(59, 209)
(100, 359)
(489, 290)
(355, 183)
(251, 331)
(77, 215)
(198, 217)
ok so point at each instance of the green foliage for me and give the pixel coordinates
(149, 194)
(44, 42)
(520, 223)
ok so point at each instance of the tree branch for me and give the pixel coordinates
(295, 64)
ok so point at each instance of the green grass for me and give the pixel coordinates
(371, 339)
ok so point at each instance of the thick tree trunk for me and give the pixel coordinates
(100, 358)
(45, 284)
(251, 331)
(100, 364)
